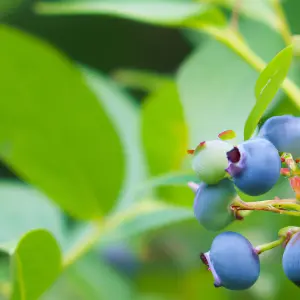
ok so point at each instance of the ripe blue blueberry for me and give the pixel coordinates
(284, 133)
(254, 166)
(233, 261)
(212, 204)
(291, 259)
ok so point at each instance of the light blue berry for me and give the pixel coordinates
(284, 133)
(212, 204)
(291, 259)
(254, 166)
(233, 261)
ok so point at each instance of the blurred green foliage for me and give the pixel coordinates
(99, 101)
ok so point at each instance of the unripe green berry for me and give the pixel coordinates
(210, 160)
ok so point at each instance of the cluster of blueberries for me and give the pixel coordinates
(252, 167)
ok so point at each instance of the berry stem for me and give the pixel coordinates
(268, 246)
(287, 231)
(284, 234)
(292, 165)
(282, 206)
(282, 23)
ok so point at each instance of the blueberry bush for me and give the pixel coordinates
(149, 149)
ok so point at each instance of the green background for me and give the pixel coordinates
(96, 113)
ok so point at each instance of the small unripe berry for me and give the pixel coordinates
(254, 166)
(233, 261)
(284, 133)
(209, 161)
(291, 259)
(212, 204)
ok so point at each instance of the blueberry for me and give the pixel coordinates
(291, 259)
(254, 166)
(211, 204)
(233, 261)
(284, 133)
(209, 160)
(121, 257)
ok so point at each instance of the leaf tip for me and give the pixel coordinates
(227, 135)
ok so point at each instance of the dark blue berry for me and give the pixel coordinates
(233, 261)
(254, 166)
(284, 133)
(212, 204)
(291, 259)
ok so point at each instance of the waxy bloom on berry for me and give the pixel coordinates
(284, 133)
(291, 259)
(233, 261)
(254, 166)
(212, 204)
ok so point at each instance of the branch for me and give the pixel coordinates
(235, 42)
(285, 206)
(283, 24)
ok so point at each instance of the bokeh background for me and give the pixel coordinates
(165, 89)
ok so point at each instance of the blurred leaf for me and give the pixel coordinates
(24, 209)
(145, 216)
(160, 283)
(164, 131)
(136, 219)
(164, 12)
(141, 79)
(198, 281)
(212, 99)
(172, 185)
(8, 5)
(165, 137)
(216, 86)
(296, 45)
(90, 278)
(266, 87)
(258, 10)
(102, 277)
(36, 263)
(55, 128)
(125, 114)
(169, 179)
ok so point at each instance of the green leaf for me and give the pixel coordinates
(91, 278)
(145, 216)
(57, 136)
(140, 79)
(125, 114)
(216, 86)
(282, 105)
(8, 5)
(24, 209)
(267, 85)
(173, 178)
(261, 11)
(103, 279)
(164, 132)
(165, 137)
(160, 13)
(36, 263)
